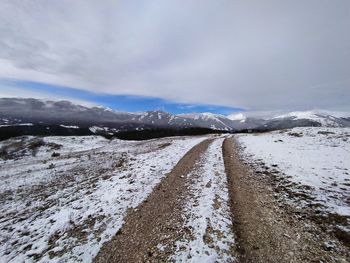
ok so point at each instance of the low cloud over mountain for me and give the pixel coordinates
(73, 118)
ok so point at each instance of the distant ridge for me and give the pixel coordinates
(21, 114)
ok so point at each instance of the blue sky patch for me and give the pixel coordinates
(129, 103)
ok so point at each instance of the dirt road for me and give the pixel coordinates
(265, 231)
(259, 230)
(157, 220)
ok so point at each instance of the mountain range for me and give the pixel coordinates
(23, 113)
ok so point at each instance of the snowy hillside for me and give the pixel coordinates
(313, 163)
(324, 119)
(63, 197)
(210, 120)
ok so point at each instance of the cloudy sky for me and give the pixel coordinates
(248, 54)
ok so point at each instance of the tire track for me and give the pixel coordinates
(265, 232)
(208, 218)
(158, 220)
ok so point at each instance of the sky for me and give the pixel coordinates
(116, 102)
(220, 56)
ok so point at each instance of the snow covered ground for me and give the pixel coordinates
(63, 197)
(316, 159)
(207, 213)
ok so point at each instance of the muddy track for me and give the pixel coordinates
(265, 232)
(157, 220)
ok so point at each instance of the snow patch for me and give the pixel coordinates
(316, 157)
(17, 124)
(69, 127)
(62, 209)
(208, 214)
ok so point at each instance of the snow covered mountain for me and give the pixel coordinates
(305, 119)
(291, 120)
(201, 120)
(209, 120)
(60, 116)
(322, 118)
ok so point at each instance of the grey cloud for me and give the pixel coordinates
(260, 55)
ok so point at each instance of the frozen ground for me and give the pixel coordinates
(63, 197)
(314, 161)
(207, 214)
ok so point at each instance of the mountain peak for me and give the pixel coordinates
(70, 114)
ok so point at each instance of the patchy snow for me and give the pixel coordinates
(207, 116)
(314, 114)
(299, 115)
(95, 129)
(315, 157)
(62, 208)
(143, 116)
(104, 108)
(194, 116)
(69, 127)
(207, 213)
(71, 144)
(17, 124)
(324, 119)
(173, 117)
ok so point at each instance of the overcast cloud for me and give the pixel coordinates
(259, 55)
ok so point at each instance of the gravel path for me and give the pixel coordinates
(156, 221)
(211, 181)
(266, 231)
